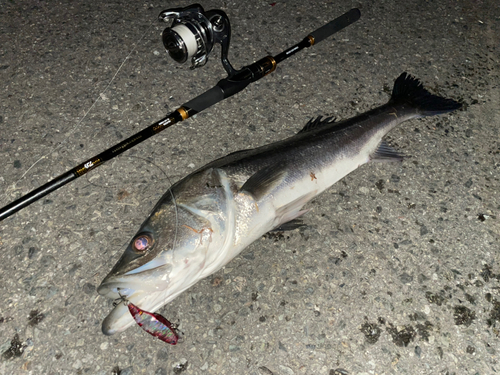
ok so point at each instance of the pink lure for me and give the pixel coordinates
(154, 324)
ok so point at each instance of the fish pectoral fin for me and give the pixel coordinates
(264, 180)
(292, 210)
(385, 153)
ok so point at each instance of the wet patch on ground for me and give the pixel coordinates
(16, 348)
(371, 331)
(463, 315)
(181, 366)
(436, 298)
(35, 317)
(494, 319)
(338, 371)
(401, 335)
(467, 295)
(466, 316)
(460, 303)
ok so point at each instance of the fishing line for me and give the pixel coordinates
(176, 221)
(169, 190)
(175, 208)
(173, 199)
(78, 124)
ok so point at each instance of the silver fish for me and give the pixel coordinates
(206, 219)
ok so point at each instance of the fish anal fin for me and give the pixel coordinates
(290, 225)
(385, 153)
(292, 210)
(264, 180)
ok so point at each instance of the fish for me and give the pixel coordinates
(207, 218)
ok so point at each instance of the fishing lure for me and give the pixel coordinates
(154, 324)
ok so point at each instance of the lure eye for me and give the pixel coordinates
(142, 243)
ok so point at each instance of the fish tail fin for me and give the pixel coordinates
(408, 89)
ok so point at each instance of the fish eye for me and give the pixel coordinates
(142, 242)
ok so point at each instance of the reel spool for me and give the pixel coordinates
(193, 34)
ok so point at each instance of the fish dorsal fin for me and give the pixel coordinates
(384, 152)
(264, 180)
(315, 123)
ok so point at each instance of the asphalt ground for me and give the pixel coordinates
(397, 270)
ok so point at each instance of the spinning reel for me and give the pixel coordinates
(193, 34)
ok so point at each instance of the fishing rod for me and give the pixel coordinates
(191, 36)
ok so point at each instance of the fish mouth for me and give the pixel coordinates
(148, 290)
(119, 319)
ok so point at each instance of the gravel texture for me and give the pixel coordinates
(397, 270)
